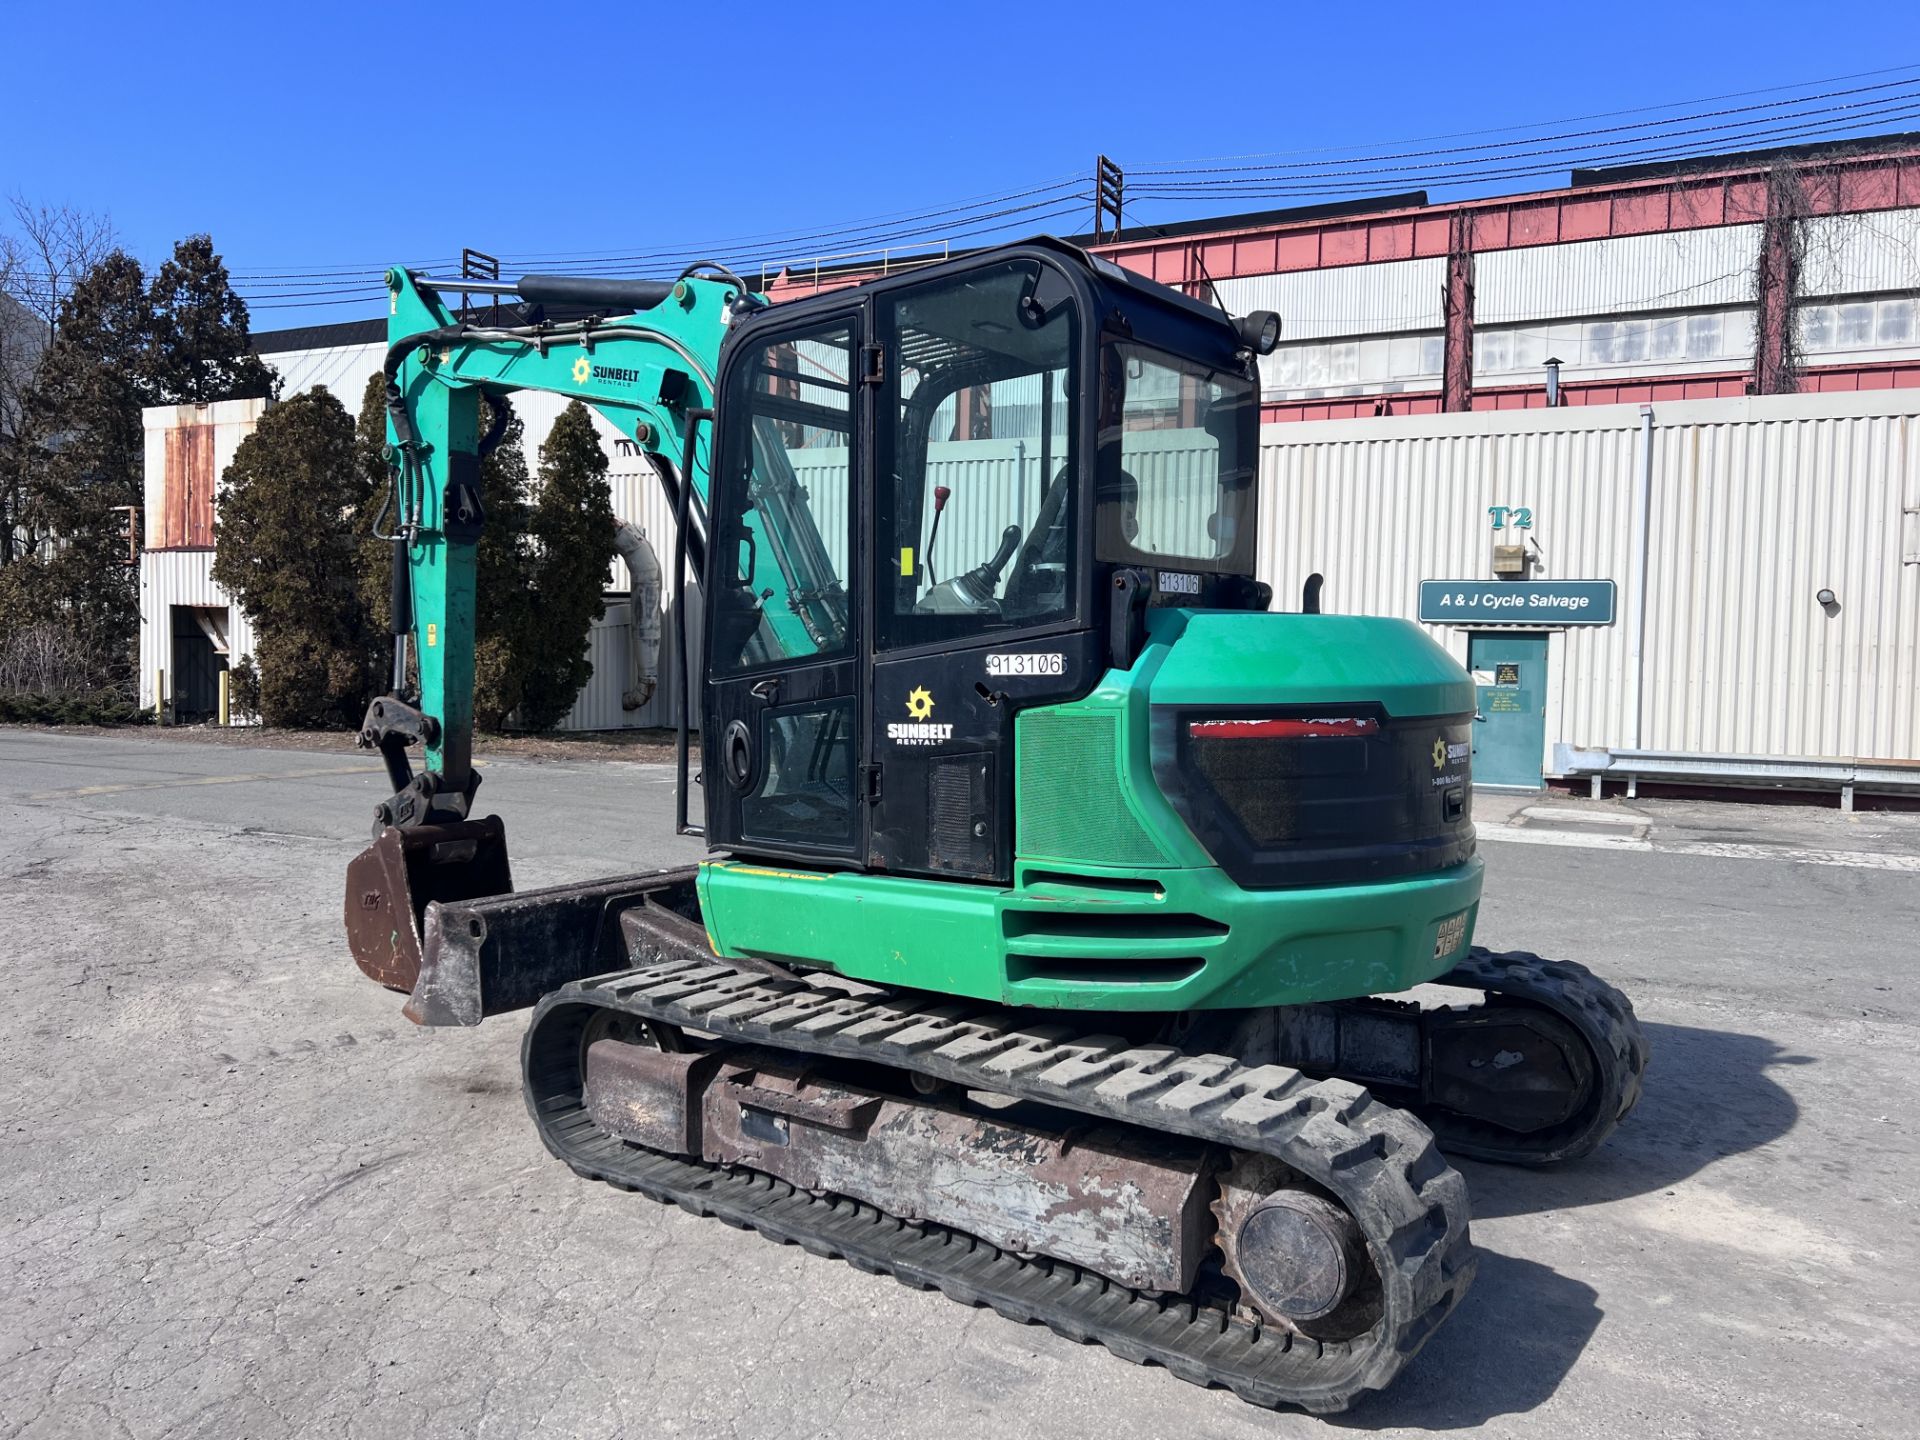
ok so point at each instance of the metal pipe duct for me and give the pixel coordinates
(643, 635)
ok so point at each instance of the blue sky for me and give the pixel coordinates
(308, 139)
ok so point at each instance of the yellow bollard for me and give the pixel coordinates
(159, 697)
(224, 693)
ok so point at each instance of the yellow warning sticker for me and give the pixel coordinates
(906, 560)
(433, 636)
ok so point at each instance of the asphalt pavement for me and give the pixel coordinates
(240, 1195)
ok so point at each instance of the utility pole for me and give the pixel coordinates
(1109, 189)
(1456, 301)
(478, 265)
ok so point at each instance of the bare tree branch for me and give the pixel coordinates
(53, 245)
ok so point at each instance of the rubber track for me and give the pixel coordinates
(1379, 1161)
(1605, 1020)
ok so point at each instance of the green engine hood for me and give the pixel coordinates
(1243, 658)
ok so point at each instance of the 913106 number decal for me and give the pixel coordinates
(1026, 664)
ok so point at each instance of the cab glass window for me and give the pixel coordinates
(976, 500)
(781, 504)
(1178, 453)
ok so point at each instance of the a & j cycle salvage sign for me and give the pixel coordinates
(1517, 602)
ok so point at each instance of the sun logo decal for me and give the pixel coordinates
(1440, 752)
(920, 703)
(582, 368)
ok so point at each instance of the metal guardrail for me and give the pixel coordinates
(1847, 774)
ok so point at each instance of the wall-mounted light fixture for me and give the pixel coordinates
(1828, 601)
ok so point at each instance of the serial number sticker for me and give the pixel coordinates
(1452, 932)
(1176, 582)
(1026, 664)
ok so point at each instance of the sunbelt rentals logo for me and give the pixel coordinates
(1449, 752)
(921, 729)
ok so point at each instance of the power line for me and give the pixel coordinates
(1534, 145)
(1850, 108)
(1570, 119)
(1506, 168)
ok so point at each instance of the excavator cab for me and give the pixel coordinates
(938, 501)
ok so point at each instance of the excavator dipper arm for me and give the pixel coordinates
(643, 354)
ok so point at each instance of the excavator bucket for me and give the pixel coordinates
(392, 881)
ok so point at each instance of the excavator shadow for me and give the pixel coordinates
(1504, 1352)
(1709, 1094)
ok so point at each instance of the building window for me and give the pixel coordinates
(1896, 322)
(1837, 327)
(1305, 368)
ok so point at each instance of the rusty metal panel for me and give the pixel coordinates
(187, 448)
(651, 1097)
(1130, 1206)
(186, 502)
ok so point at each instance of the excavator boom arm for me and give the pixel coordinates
(644, 355)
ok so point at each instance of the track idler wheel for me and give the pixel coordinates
(1541, 1070)
(1298, 1257)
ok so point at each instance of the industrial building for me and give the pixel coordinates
(1695, 555)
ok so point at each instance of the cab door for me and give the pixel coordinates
(979, 607)
(782, 705)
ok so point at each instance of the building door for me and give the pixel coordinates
(1510, 694)
(199, 655)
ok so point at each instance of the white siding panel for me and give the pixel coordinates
(1860, 254)
(1756, 505)
(1384, 298)
(1752, 517)
(342, 369)
(1676, 270)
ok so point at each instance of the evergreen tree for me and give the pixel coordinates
(82, 411)
(375, 492)
(201, 351)
(504, 599)
(78, 455)
(286, 548)
(572, 526)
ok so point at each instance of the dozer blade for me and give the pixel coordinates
(392, 881)
(499, 953)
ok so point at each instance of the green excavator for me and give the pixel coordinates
(1062, 894)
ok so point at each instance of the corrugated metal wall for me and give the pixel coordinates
(1624, 274)
(1751, 519)
(180, 577)
(1756, 505)
(1383, 298)
(1860, 254)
